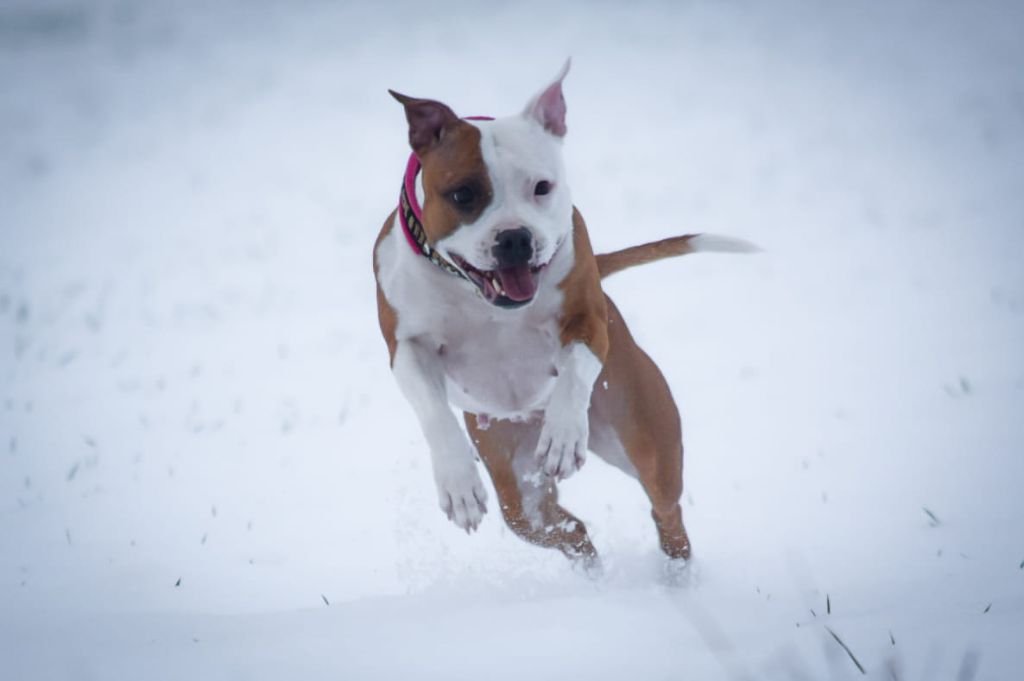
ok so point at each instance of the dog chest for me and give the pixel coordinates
(500, 368)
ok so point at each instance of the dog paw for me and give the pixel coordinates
(462, 495)
(678, 573)
(589, 566)
(562, 448)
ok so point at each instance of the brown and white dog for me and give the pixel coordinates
(490, 299)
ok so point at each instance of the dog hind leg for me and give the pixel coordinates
(527, 497)
(634, 424)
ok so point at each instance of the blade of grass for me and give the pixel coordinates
(849, 652)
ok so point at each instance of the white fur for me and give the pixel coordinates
(562, 448)
(460, 491)
(605, 442)
(495, 361)
(713, 243)
(456, 348)
(518, 154)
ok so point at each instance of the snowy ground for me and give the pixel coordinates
(207, 472)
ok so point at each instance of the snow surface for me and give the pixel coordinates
(207, 472)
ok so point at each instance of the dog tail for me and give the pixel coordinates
(610, 263)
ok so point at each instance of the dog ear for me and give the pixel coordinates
(428, 121)
(548, 107)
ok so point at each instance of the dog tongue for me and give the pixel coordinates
(518, 282)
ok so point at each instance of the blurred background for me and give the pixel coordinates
(205, 466)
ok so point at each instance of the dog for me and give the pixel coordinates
(489, 299)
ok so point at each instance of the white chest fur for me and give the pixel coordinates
(495, 361)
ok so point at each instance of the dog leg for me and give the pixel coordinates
(583, 333)
(658, 458)
(527, 497)
(460, 490)
(562, 446)
(633, 414)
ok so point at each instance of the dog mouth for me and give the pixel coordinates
(508, 287)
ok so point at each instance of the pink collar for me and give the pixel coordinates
(408, 203)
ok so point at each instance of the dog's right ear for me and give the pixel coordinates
(548, 106)
(428, 121)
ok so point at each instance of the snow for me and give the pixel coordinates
(206, 470)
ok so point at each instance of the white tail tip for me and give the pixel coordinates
(713, 243)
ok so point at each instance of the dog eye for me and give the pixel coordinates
(542, 188)
(463, 196)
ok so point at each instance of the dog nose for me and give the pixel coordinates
(513, 247)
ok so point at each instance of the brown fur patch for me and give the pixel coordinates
(387, 316)
(610, 263)
(584, 311)
(455, 161)
(633, 398)
(498, 445)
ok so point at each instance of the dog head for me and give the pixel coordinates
(495, 199)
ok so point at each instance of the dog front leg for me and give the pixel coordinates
(460, 491)
(562, 448)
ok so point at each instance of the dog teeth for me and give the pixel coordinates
(497, 285)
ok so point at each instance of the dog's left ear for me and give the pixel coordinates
(428, 121)
(548, 107)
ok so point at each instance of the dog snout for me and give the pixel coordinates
(513, 247)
